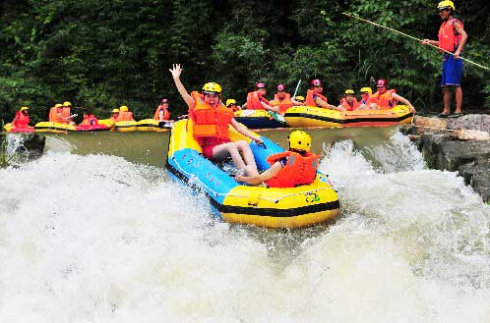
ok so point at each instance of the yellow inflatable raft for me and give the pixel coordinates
(152, 125)
(258, 205)
(305, 116)
(54, 127)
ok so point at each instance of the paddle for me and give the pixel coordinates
(303, 75)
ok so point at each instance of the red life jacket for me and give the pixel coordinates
(254, 100)
(283, 104)
(53, 115)
(210, 122)
(90, 120)
(384, 100)
(310, 100)
(369, 100)
(449, 38)
(299, 170)
(348, 106)
(166, 114)
(21, 120)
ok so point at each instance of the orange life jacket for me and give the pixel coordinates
(209, 121)
(254, 100)
(90, 120)
(125, 116)
(54, 115)
(384, 100)
(283, 104)
(21, 120)
(166, 114)
(348, 106)
(310, 100)
(370, 100)
(449, 38)
(299, 170)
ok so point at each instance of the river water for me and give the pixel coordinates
(94, 231)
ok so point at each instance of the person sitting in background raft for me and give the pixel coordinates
(161, 114)
(387, 99)
(66, 113)
(124, 114)
(282, 99)
(115, 114)
(349, 102)
(257, 101)
(315, 98)
(211, 119)
(21, 119)
(231, 104)
(89, 119)
(295, 167)
(56, 114)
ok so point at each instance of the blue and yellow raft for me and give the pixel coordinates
(260, 119)
(237, 203)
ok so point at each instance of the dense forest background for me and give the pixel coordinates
(105, 53)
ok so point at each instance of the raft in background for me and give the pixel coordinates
(258, 205)
(305, 116)
(152, 125)
(260, 119)
(9, 129)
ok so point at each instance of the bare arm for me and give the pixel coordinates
(258, 179)
(403, 100)
(325, 105)
(244, 131)
(428, 41)
(464, 37)
(270, 107)
(176, 70)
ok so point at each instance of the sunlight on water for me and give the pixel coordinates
(96, 238)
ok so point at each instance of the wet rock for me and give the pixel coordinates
(477, 174)
(471, 159)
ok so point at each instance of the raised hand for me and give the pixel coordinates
(176, 70)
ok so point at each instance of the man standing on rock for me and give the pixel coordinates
(452, 37)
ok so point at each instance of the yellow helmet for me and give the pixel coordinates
(24, 108)
(115, 110)
(123, 108)
(446, 5)
(299, 98)
(58, 105)
(299, 140)
(349, 91)
(230, 101)
(212, 87)
(67, 104)
(367, 89)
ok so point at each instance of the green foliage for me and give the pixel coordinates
(102, 54)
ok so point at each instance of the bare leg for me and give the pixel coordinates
(447, 99)
(458, 91)
(248, 156)
(222, 151)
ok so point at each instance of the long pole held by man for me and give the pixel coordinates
(452, 38)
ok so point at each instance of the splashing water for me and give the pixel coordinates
(98, 239)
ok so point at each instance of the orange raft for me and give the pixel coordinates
(305, 116)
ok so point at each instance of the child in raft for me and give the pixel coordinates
(212, 136)
(291, 168)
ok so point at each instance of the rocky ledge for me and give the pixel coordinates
(461, 145)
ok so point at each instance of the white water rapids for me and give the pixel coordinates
(99, 239)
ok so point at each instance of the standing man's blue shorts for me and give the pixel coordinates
(452, 71)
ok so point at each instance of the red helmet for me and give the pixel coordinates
(260, 85)
(281, 87)
(164, 101)
(381, 83)
(316, 82)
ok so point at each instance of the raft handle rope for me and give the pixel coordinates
(411, 37)
(196, 180)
